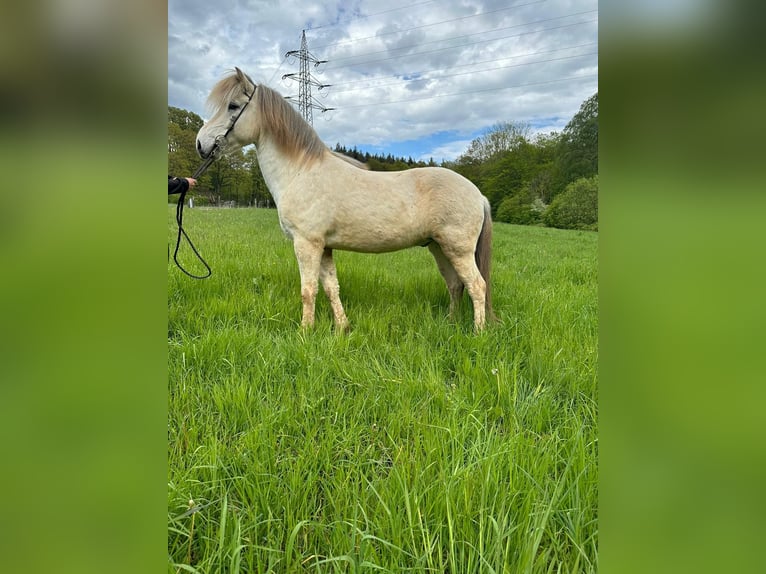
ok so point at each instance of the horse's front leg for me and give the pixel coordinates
(309, 256)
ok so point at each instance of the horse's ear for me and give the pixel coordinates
(243, 77)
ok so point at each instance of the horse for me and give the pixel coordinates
(326, 201)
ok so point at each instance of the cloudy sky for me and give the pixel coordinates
(411, 78)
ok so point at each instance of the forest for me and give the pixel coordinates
(546, 179)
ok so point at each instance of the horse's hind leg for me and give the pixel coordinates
(309, 256)
(464, 264)
(329, 278)
(454, 284)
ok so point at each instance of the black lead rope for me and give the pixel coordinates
(200, 170)
(181, 231)
(180, 220)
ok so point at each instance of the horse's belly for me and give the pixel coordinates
(374, 238)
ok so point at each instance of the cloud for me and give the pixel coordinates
(399, 73)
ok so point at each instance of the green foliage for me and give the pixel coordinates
(577, 153)
(182, 132)
(184, 119)
(511, 172)
(377, 162)
(519, 209)
(577, 207)
(408, 445)
(521, 175)
(513, 179)
(500, 138)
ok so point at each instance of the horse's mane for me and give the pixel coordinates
(290, 132)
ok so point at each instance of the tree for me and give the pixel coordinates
(182, 133)
(519, 209)
(501, 137)
(509, 172)
(577, 207)
(184, 119)
(577, 151)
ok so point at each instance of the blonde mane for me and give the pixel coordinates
(275, 117)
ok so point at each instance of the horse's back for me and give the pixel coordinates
(437, 194)
(373, 211)
(449, 197)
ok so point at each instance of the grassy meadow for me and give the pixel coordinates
(408, 445)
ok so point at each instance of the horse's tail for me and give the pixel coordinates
(483, 256)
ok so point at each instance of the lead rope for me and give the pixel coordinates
(180, 219)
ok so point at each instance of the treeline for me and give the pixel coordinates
(547, 179)
(383, 162)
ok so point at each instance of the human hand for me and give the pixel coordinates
(192, 181)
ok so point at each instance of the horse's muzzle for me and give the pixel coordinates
(218, 145)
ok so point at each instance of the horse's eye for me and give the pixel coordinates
(233, 106)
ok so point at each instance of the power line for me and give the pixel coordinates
(462, 65)
(271, 79)
(460, 45)
(430, 25)
(469, 92)
(330, 24)
(464, 36)
(465, 73)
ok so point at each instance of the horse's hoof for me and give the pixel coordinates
(343, 328)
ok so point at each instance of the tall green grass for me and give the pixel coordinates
(409, 444)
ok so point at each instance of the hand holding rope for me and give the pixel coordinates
(180, 217)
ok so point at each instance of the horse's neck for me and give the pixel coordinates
(278, 171)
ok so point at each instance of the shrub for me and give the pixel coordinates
(517, 209)
(576, 207)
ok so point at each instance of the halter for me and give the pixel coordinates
(200, 170)
(219, 138)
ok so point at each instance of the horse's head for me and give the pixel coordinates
(232, 123)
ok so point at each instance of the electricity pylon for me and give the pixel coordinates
(306, 102)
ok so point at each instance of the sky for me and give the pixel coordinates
(413, 78)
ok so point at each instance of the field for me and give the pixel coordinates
(408, 445)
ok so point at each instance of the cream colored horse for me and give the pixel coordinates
(326, 202)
